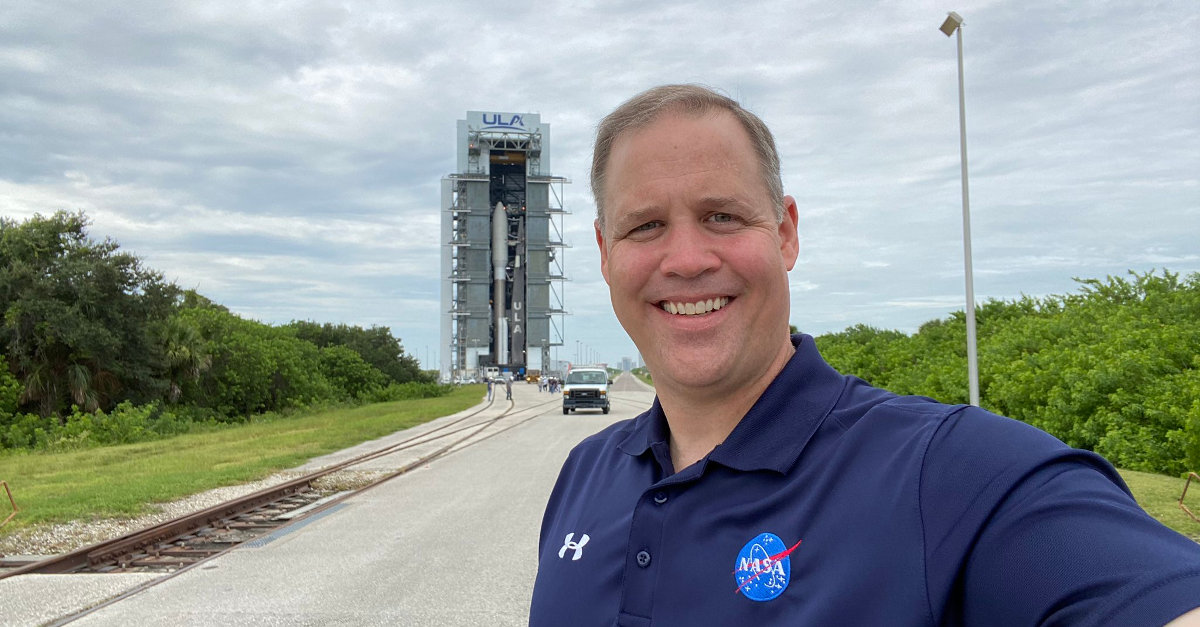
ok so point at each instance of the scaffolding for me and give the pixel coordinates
(503, 176)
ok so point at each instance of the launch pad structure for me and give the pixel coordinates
(502, 244)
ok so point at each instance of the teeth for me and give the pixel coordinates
(696, 308)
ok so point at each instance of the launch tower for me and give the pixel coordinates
(502, 241)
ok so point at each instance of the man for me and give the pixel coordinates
(764, 488)
(508, 387)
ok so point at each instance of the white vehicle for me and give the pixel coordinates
(586, 388)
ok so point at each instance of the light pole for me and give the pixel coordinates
(953, 24)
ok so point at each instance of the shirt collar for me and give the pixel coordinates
(773, 433)
(648, 428)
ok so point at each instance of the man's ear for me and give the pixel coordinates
(603, 250)
(789, 237)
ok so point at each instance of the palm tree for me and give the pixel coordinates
(186, 353)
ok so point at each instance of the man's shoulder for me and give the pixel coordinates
(864, 405)
(965, 424)
(952, 440)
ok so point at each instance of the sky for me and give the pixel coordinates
(285, 159)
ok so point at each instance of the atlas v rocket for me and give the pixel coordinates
(499, 278)
(508, 317)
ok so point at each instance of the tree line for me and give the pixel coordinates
(97, 347)
(1114, 368)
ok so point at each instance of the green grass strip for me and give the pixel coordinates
(123, 480)
(1159, 496)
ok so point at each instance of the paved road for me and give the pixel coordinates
(451, 543)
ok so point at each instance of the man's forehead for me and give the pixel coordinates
(679, 119)
(715, 139)
(673, 142)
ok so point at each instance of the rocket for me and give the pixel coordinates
(499, 260)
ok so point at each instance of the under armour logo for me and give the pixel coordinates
(570, 545)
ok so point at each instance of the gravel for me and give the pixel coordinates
(52, 539)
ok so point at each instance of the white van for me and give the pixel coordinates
(586, 388)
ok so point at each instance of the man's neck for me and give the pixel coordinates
(698, 427)
(701, 418)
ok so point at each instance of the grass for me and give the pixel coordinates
(1159, 496)
(122, 480)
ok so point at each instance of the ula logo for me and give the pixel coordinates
(497, 120)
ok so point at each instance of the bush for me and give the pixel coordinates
(1113, 369)
(255, 368)
(350, 376)
(407, 391)
(26, 430)
(125, 424)
(10, 392)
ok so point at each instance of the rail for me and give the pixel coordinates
(171, 538)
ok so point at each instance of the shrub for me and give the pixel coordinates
(1113, 369)
(407, 391)
(125, 424)
(350, 376)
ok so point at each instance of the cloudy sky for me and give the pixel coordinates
(285, 158)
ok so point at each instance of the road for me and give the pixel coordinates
(450, 543)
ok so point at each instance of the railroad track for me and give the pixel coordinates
(190, 539)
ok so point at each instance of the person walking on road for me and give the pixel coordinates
(765, 488)
(489, 384)
(508, 387)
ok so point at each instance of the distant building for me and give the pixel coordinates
(626, 364)
(502, 243)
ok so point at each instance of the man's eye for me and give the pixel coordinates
(649, 226)
(721, 217)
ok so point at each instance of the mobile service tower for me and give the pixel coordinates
(502, 245)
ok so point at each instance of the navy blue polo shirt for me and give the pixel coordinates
(836, 503)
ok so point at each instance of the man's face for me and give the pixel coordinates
(695, 261)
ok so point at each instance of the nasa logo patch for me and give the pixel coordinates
(764, 567)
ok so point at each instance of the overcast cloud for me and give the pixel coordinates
(284, 159)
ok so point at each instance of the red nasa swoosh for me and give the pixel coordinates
(773, 558)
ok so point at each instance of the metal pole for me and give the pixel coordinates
(972, 357)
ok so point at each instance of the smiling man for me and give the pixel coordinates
(696, 253)
(764, 488)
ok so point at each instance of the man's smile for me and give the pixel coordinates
(697, 308)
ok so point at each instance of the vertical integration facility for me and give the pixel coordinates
(502, 244)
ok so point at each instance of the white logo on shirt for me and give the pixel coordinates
(570, 545)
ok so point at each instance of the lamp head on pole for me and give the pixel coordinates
(953, 21)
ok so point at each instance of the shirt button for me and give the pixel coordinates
(660, 497)
(643, 558)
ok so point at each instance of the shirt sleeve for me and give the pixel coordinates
(1022, 530)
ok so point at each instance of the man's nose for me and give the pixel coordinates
(688, 251)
